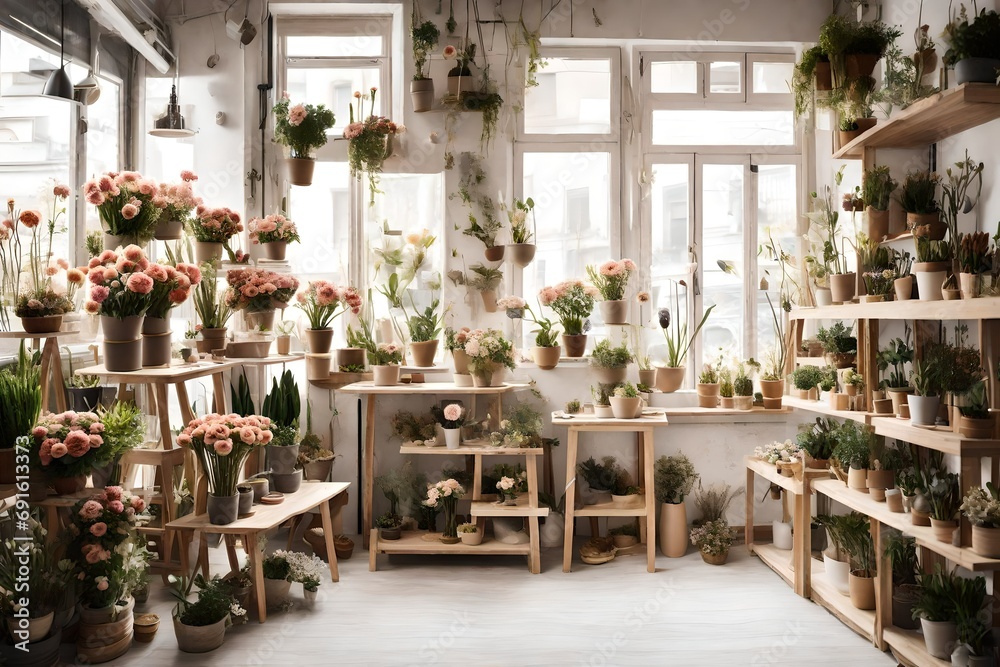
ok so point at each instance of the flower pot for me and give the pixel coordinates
(944, 531)
(546, 358)
(673, 529)
(125, 329)
(894, 500)
(283, 344)
(843, 287)
(899, 396)
(951, 294)
(878, 223)
(101, 476)
(936, 230)
(969, 427)
(940, 637)
(781, 535)
(494, 253)
(521, 254)
(872, 298)
(904, 597)
(986, 541)
(919, 518)
(603, 412)
(245, 504)
(903, 288)
(847, 136)
(857, 65)
(923, 409)
(772, 388)
(42, 325)
(318, 470)
(144, 627)
(80, 399)
(626, 408)
(575, 345)
(261, 487)
(489, 300)
(630, 500)
(423, 353)
(223, 510)
(168, 230)
(390, 533)
(207, 251)
(976, 70)
(824, 75)
(211, 339)
(282, 459)
(970, 284)
(38, 628)
(156, 350)
(882, 406)
(743, 403)
(929, 284)
(319, 340)
(155, 326)
(837, 573)
(458, 84)
(727, 402)
(65, 486)
(708, 395)
(452, 437)
(286, 482)
(275, 250)
(857, 479)
(483, 378)
(422, 94)
(614, 312)
(300, 170)
(670, 379)
(462, 380)
(823, 296)
(461, 361)
(318, 366)
(113, 241)
(259, 320)
(715, 559)
(861, 590)
(349, 356)
(472, 539)
(609, 375)
(865, 124)
(385, 376)
(647, 377)
(104, 634)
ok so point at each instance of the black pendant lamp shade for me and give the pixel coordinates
(171, 124)
(58, 83)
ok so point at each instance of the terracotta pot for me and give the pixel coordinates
(287, 482)
(923, 409)
(494, 253)
(708, 395)
(42, 325)
(894, 500)
(128, 328)
(847, 136)
(903, 288)
(919, 518)
(879, 481)
(318, 470)
(156, 350)
(223, 510)
(857, 479)
(929, 284)
(423, 353)
(385, 376)
(575, 345)
(626, 408)
(521, 254)
(772, 403)
(212, 339)
(318, 366)
(862, 591)
(976, 70)
(145, 626)
(843, 287)
(772, 388)
(489, 300)
(461, 361)
(319, 340)
(284, 344)
(936, 229)
(546, 358)
(614, 312)
(940, 637)
(865, 124)
(970, 284)
(124, 356)
(422, 94)
(609, 375)
(647, 377)
(258, 320)
(670, 379)
(275, 250)
(624, 541)
(824, 76)
(726, 402)
(673, 530)
(857, 65)
(899, 396)
(840, 359)
(207, 251)
(950, 294)
(168, 230)
(300, 170)
(976, 428)
(944, 531)
(350, 356)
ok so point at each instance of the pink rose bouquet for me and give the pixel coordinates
(446, 494)
(128, 204)
(222, 444)
(68, 444)
(171, 286)
(323, 302)
(257, 290)
(272, 229)
(178, 199)
(119, 284)
(111, 558)
(611, 278)
(573, 301)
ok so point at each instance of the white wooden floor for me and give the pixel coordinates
(490, 611)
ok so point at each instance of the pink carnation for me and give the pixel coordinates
(139, 283)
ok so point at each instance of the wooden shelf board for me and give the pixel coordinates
(939, 439)
(469, 449)
(810, 361)
(338, 380)
(778, 560)
(838, 604)
(367, 387)
(610, 509)
(700, 412)
(413, 542)
(770, 472)
(908, 646)
(823, 408)
(490, 508)
(930, 120)
(924, 535)
(985, 308)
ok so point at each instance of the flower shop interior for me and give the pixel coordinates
(651, 297)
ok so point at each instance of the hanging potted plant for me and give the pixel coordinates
(212, 310)
(878, 189)
(812, 73)
(302, 128)
(180, 203)
(521, 250)
(323, 302)
(212, 228)
(982, 507)
(485, 280)
(670, 376)
(200, 626)
(610, 364)
(274, 233)
(128, 205)
(674, 478)
(484, 224)
(424, 37)
(973, 48)
(573, 302)
(370, 141)
(611, 280)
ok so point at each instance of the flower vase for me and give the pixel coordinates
(482, 378)
(207, 251)
(452, 437)
(450, 534)
(223, 510)
(259, 320)
(275, 250)
(300, 169)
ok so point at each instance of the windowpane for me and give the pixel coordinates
(776, 221)
(722, 242)
(674, 77)
(103, 138)
(333, 46)
(573, 96)
(334, 87)
(573, 209)
(772, 78)
(321, 212)
(725, 77)
(706, 127)
(669, 199)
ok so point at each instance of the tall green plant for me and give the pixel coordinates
(857, 540)
(283, 405)
(20, 398)
(241, 398)
(676, 333)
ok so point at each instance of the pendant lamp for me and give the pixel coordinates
(58, 83)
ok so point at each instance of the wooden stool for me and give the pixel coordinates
(166, 461)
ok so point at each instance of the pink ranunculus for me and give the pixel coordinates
(39, 431)
(129, 211)
(223, 447)
(452, 412)
(133, 252)
(61, 190)
(58, 450)
(187, 176)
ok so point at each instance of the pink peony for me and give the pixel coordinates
(58, 450)
(296, 115)
(453, 412)
(139, 283)
(116, 506)
(223, 447)
(30, 219)
(91, 510)
(99, 529)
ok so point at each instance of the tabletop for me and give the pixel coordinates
(24, 335)
(368, 387)
(178, 371)
(650, 417)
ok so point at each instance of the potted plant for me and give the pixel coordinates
(302, 128)
(806, 379)
(674, 478)
(973, 47)
(713, 539)
(274, 232)
(323, 302)
(670, 377)
(284, 337)
(826, 219)
(812, 73)
(121, 298)
(625, 401)
(610, 364)
(546, 350)
(454, 342)
(171, 286)
(600, 477)
(602, 400)
(315, 460)
(521, 250)
(853, 451)
(926, 397)
(277, 579)
(451, 418)
(128, 206)
(222, 460)
(878, 188)
(901, 552)
(64, 449)
(885, 461)
(839, 346)
(20, 405)
(933, 263)
(902, 264)
(818, 440)
(836, 560)
(918, 197)
(41, 574)
(306, 570)
(573, 302)
(283, 406)
(180, 202)
(975, 419)
(258, 292)
(489, 353)
(460, 79)
(385, 359)
(389, 526)
(982, 507)
(611, 280)
(854, 382)
(625, 535)
(708, 387)
(212, 310)
(624, 492)
(974, 260)
(424, 37)
(896, 355)
(772, 380)
(854, 47)
(370, 141)
(945, 501)
(446, 494)
(212, 229)
(470, 534)
(726, 389)
(124, 430)
(200, 626)
(424, 328)
(39, 304)
(485, 280)
(743, 385)
(935, 608)
(857, 541)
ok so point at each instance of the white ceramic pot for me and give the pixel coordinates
(782, 535)
(837, 573)
(452, 437)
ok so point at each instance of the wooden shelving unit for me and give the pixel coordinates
(908, 647)
(861, 621)
(930, 120)
(962, 309)
(823, 408)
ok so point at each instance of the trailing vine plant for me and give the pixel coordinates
(487, 224)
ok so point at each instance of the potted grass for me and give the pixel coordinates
(932, 265)
(521, 250)
(918, 197)
(878, 188)
(974, 260)
(624, 492)
(610, 364)
(945, 501)
(322, 302)
(200, 626)
(857, 540)
(853, 451)
(674, 478)
(973, 47)
(611, 280)
(895, 355)
(982, 507)
(20, 405)
(670, 376)
(424, 37)
(902, 264)
(212, 310)
(726, 389)
(926, 397)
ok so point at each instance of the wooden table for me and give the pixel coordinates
(265, 517)
(643, 427)
(51, 367)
